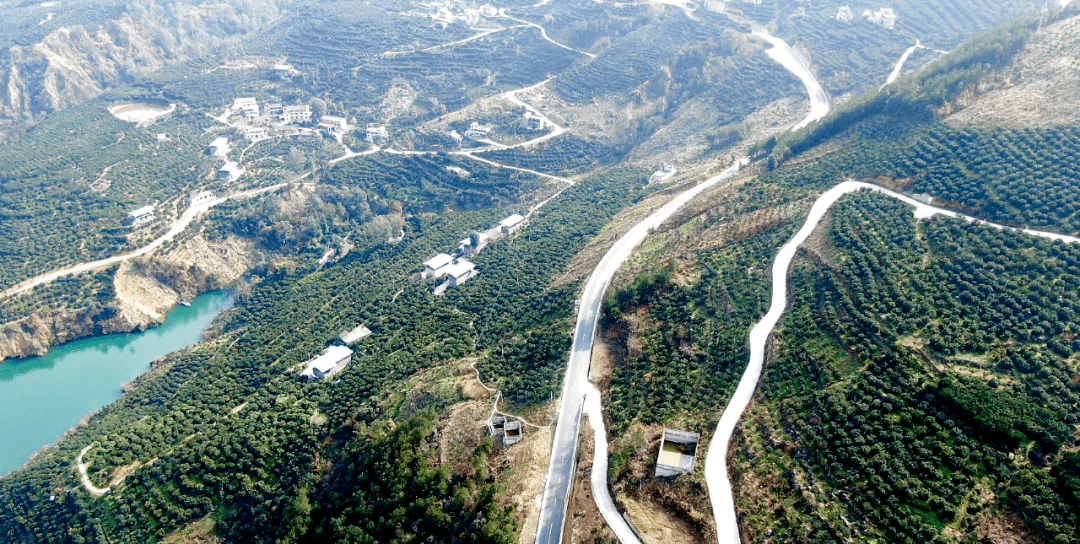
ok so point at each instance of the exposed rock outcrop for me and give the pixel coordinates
(146, 290)
(74, 64)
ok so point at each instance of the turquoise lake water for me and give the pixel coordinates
(42, 397)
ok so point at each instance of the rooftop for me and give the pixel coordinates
(438, 261)
(327, 360)
(513, 220)
(145, 210)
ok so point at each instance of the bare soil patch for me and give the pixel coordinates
(998, 528)
(521, 469)
(1037, 90)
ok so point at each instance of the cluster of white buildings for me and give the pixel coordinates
(273, 119)
(335, 358)
(457, 269)
(885, 17)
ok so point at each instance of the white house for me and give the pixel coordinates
(219, 147)
(256, 134)
(334, 125)
(296, 114)
(437, 266)
(328, 363)
(230, 171)
(844, 14)
(246, 103)
(512, 223)
(376, 134)
(272, 108)
(885, 17)
(201, 197)
(458, 171)
(531, 121)
(477, 131)
(459, 272)
(139, 216)
(455, 136)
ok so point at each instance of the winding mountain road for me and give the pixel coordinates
(716, 470)
(579, 395)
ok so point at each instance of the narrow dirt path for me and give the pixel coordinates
(86, 483)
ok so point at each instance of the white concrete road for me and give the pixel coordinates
(716, 473)
(576, 385)
(795, 63)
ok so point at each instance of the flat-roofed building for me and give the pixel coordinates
(139, 216)
(334, 125)
(202, 197)
(460, 272)
(512, 223)
(218, 148)
(678, 453)
(296, 114)
(256, 134)
(230, 171)
(437, 266)
(331, 361)
(375, 134)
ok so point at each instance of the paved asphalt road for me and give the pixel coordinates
(576, 384)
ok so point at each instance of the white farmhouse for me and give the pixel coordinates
(511, 223)
(218, 148)
(459, 272)
(334, 125)
(331, 361)
(437, 266)
(139, 216)
(477, 131)
(296, 114)
(230, 171)
(376, 134)
(256, 134)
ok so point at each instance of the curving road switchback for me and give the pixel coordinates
(716, 473)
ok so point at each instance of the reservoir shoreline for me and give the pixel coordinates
(48, 398)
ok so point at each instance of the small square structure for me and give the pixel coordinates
(331, 361)
(512, 433)
(678, 453)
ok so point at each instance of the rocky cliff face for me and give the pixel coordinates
(146, 291)
(73, 64)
